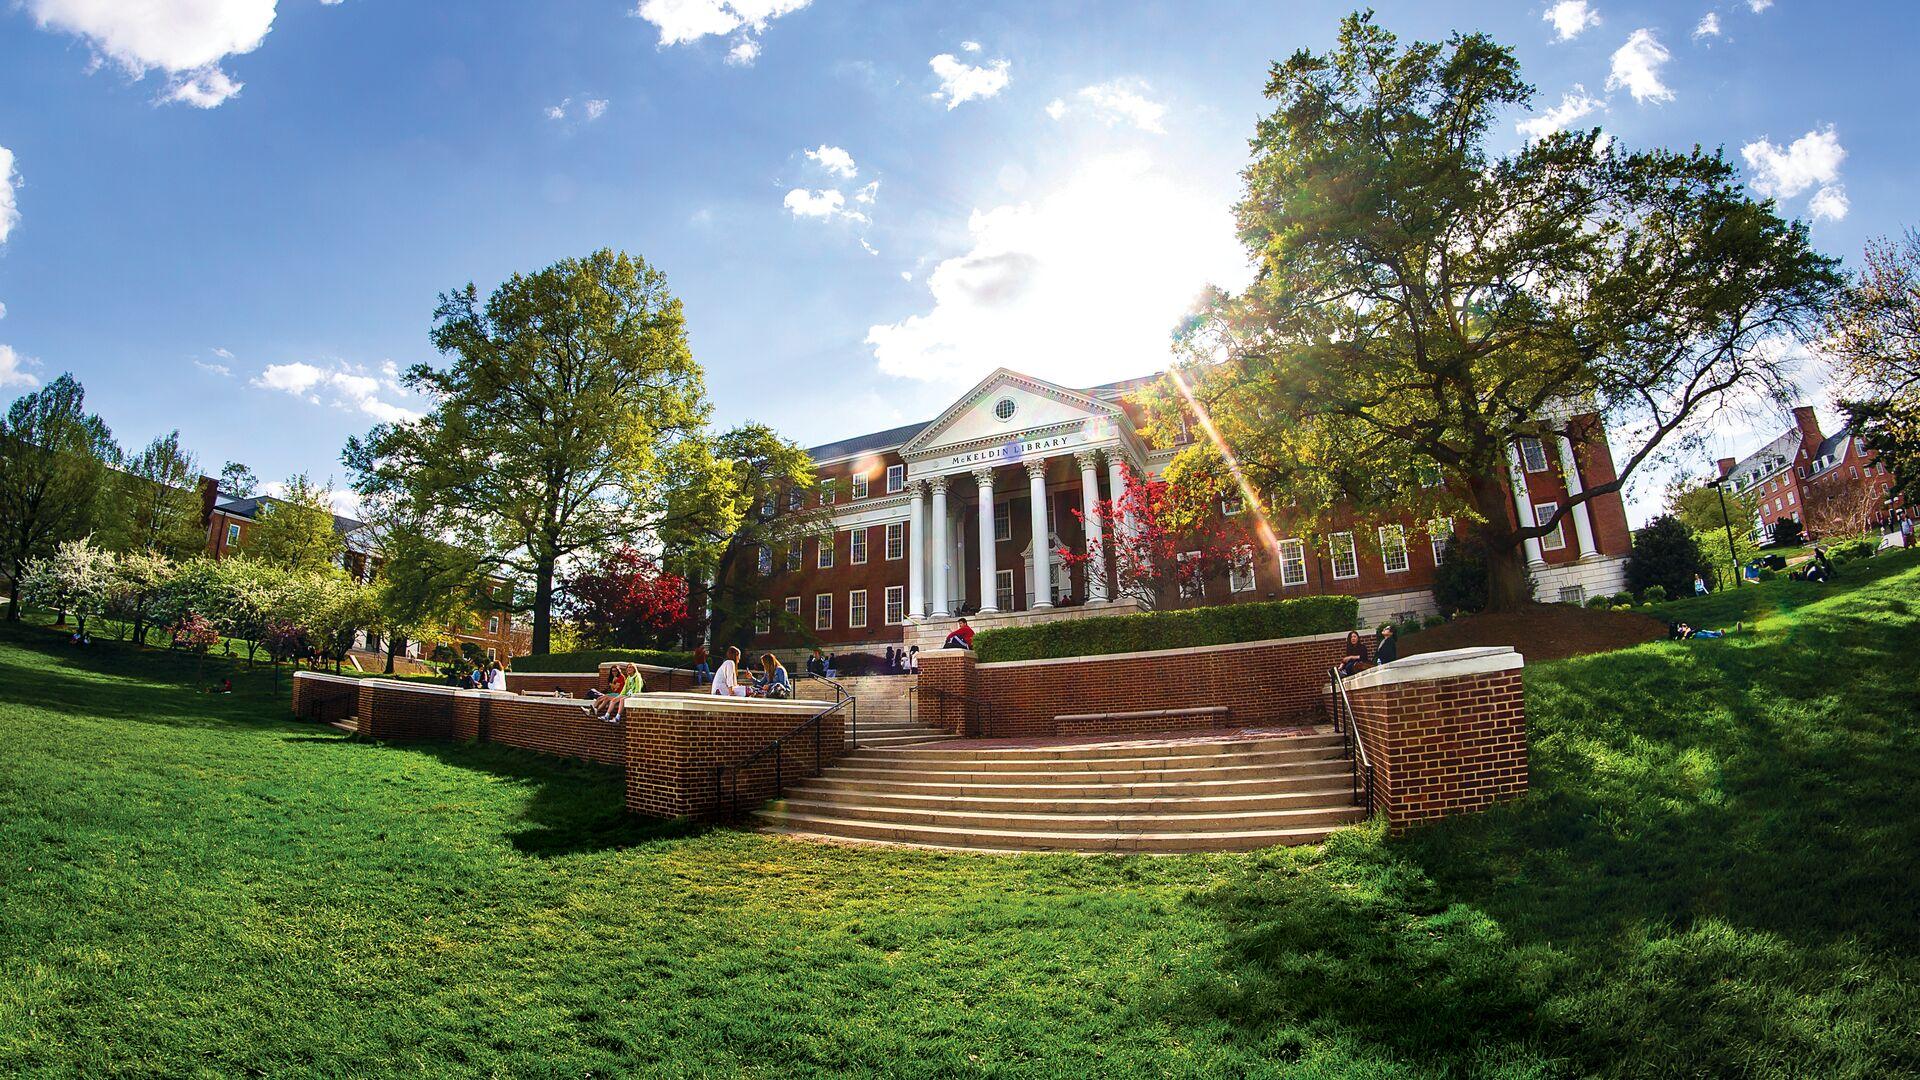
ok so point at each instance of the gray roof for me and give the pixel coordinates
(867, 444)
(249, 508)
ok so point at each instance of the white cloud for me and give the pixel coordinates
(3, 311)
(1570, 17)
(970, 46)
(906, 275)
(1118, 101)
(1812, 159)
(222, 353)
(1709, 26)
(221, 370)
(13, 368)
(596, 108)
(9, 204)
(961, 82)
(868, 193)
(834, 160)
(684, 21)
(825, 205)
(1636, 67)
(868, 248)
(1829, 203)
(1758, 6)
(186, 39)
(559, 112)
(1051, 287)
(1574, 105)
(348, 387)
(592, 109)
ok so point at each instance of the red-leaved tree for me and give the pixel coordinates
(1153, 560)
(624, 598)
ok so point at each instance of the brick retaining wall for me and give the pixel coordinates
(1259, 682)
(654, 679)
(1446, 733)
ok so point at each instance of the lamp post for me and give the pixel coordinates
(1719, 487)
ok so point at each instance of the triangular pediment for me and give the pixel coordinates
(1003, 406)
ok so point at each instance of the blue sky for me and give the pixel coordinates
(232, 216)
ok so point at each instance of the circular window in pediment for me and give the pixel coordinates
(1005, 408)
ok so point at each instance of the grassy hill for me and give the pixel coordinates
(1714, 875)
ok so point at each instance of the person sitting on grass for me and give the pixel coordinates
(1356, 655)
(772, 681)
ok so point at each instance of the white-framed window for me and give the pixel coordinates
(766, 506)
(823, 611)
(1556, 539)
(1776, 506)
(1440, 536)
(795, 557)
(793, 609)
(1185, 434)
(1232, 504)
(1789, 496)
(1240, 574)
(826, 493)
(1573, 594)
(1853, 471)
(493, 624)
(765, 562)
(823, 559)
(859, 485)
(794, 499)
(1346, 561)
(896, 478)
(1533, 454)
(1393, 548)
(857, 545)
(896, 540)
(491, 656)
(857, 609)
(1293, 562)
(233, 533)
(1190, 584)
(762, 618)
(1003, 590)
(896, 605)
(1003, 521)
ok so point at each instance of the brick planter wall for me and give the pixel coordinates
(399, 712)
(1446, 733)
(676, 742)
(1259, 682)
(318, 696)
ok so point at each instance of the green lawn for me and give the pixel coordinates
(1718, 873)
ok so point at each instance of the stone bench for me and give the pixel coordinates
(1145, 720)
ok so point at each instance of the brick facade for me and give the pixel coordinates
(1445, 733)
(1831, 485)
(1259, 683)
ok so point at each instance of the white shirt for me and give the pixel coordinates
(726, 680)
(497, 681)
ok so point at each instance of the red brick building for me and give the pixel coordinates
(909, 547)
(1831, 484)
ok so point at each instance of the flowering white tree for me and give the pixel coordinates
(137, 590)
(75, 580)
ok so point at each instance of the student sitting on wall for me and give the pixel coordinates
(726, 678)
(1356, 654)
(961, 638)
(623, 680)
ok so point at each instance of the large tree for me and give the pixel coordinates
(1421, 302)
(424, 585)
(53, 456)
(569, 416)
(154, 502)
(295, 530)
(1873, 344)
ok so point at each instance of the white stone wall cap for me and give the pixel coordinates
(321, 676)
(1189, 650)
(1428, 667)
(677, 702)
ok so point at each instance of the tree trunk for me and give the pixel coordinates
(1508, 586)
(13, 596)
(542, 605)
(393, 643)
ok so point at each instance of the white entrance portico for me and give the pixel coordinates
(973, 460)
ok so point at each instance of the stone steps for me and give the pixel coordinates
(1173, 794)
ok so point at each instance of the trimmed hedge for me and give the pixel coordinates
(1105, 634)
(591, 659)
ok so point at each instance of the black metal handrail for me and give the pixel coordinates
(812, 723)
(1352, 745)
(971, 706)
(841, 696)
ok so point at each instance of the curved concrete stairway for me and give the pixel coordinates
(885, 707)
(1174, 794)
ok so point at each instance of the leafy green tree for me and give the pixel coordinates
(1667, 554)
(154, 502)
(1420, 302)
(237, 481)
(571, 417)
(53, 456)
(137, 591)
(75, 580)
(1787, 532)
(1698, 506)
(295, 530)
(1724, 562)
(1460, 579)
(424, 585)
(1873, 344)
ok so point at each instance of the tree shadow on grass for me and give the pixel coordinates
(1714, 873)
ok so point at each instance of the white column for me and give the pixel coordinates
(916, 550)
(1117, 491)
(940, 547)
(1582, 521)
(1522, 505)
(989, 594)
(1090, 516)
(1041, 545)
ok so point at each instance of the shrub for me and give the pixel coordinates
(1786, 532)
(1623, 599)
(591, 659)
(1847, 550)
(1432, 621)
(1106, 634)
(1598, 603)
(1655, 594)
(1667, 554)
(1768, 573)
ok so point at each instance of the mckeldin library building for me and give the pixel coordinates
(936, 520)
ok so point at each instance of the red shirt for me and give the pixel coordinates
(964, 633)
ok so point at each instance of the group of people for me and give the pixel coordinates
(771, 681)
(610, 704)
(490, 677)
(1386, 649)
